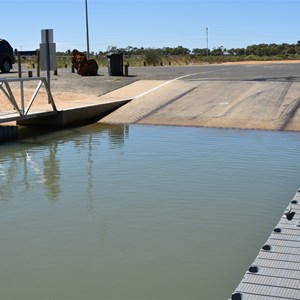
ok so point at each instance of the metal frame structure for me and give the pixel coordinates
(7, 91)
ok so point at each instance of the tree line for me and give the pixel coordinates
(256, 50)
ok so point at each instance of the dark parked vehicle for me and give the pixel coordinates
(7, 58)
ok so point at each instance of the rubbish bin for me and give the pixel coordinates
(115, 64)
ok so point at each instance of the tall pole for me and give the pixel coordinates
(48, 57)
(87, 30)
(207, 41)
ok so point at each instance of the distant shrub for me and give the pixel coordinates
(152, 56)
(251, 57)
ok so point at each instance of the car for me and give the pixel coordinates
(7, 58)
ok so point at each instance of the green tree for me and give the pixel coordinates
(218, 51)
(201, 52)
(152, 56)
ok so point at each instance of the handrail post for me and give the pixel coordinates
(22, 96)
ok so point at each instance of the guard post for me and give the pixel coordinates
(47, 53)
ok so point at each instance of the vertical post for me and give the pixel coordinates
(87, 30)
(38, 63)
(48, 56)
(126, 69)
(19, 65)
(22, 96)
(207, 41)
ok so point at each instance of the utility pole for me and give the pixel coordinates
(87, 30)
(207, 41)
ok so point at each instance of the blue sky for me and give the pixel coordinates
(150, 23)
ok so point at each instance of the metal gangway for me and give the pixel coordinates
(21, 109)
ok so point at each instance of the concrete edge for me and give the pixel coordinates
(75, 116)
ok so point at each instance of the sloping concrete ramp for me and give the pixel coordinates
(228, 104)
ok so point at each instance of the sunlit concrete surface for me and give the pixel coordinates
(263, 105)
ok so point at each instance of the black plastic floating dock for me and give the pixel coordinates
(275, 273)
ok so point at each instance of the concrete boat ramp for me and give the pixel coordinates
(184, 101)
(225, 104)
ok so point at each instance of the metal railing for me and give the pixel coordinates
(21, 109)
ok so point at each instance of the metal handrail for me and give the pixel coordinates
(6, 89)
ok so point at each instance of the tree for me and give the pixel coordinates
(237, 51)
(201, 52)
(218, 51)
(181, 51)
(152, 56)
(112, 49)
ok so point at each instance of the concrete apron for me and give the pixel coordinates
(69, 117)
(225, 104)
(74, 116)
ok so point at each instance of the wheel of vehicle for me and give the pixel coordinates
(5, 66)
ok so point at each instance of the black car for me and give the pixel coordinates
(7, 58)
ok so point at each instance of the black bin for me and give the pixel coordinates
(115, 64)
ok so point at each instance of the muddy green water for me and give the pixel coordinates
(140, 212)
